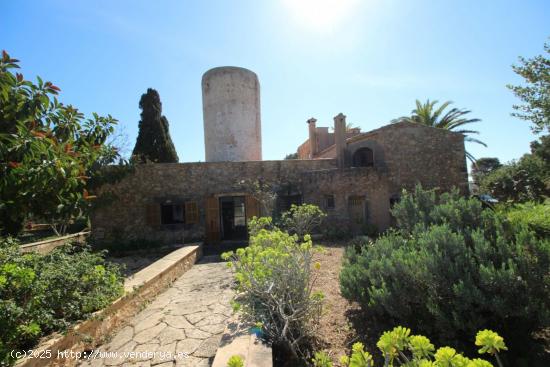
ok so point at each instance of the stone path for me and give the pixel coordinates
(181, 327)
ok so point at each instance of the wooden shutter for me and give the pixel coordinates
(152, 215)
(252, 207)
(212, 220)
(191, 212)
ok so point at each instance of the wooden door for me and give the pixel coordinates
(252, 207)
(152, 215)
(212, 220)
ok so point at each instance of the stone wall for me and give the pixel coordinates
(125, 219)
(412, 153)
(404, 155)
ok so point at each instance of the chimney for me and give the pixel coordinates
(340, 138)
(312, 137)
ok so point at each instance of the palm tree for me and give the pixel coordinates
(453, 120)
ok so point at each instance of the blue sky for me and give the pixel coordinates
(369, 59)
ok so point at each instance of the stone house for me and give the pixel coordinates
(353, 176)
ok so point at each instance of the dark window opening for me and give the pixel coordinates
(284, 202)
(329, 202)
(233, 218)
(363, 157)
(172, 213)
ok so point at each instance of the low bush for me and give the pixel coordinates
(400, 348)
(533, 215)
(40, 294)
(453, 268)
(302, 219)
(334, 230)
(275, 275)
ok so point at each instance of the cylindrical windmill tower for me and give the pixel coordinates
(231, 112)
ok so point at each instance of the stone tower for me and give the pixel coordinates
(231, 113)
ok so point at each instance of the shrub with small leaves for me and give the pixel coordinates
(302, 219)
(452, 268)
(40, 294)
(275, 274)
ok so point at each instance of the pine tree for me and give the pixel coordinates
(153, 143)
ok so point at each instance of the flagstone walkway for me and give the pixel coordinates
(181, 327)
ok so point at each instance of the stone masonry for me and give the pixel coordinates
(404, 154)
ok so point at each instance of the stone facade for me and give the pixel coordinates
(401, 155)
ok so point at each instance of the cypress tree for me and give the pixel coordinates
(153, 143)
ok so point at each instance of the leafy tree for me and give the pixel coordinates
(541, 148)
(453, 120)
(48, 152)
(291, 156)
(482, 167)
(536, 93)
(527, 179)
(153, 143)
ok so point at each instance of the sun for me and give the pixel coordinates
(320, 15)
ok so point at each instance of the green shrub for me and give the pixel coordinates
(335, 230)
(235, 361)
(402, 349)
(524, 180)
(451, 269)
(40, 294)
(535, 216)
(275, 274)
(302, 219)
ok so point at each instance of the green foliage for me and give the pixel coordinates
(48, 152)
(482, 167)
(451, 269)
(490, 342)
(153, 143)
(291, 156)
(401, 348)
(334, 230)
(302, 219)
(527, 179)
(517, 182)
(359, 357)
(235, 361)
(321, 359)
(453, 120)
(255, 225)
(275, 275)
(536, 93)
(533, 215)
(41, 294)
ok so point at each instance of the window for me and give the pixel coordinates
(284, 202)
(363, 157)
(329, 202)
(172, 214)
